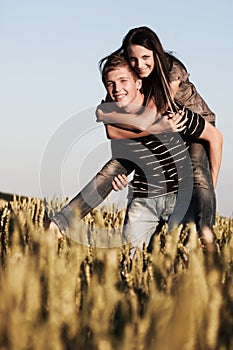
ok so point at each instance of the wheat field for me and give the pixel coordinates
(65, 295)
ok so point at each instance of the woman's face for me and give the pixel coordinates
(141, 59)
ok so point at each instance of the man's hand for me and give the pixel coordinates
(120, 182)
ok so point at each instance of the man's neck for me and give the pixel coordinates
(136, 105)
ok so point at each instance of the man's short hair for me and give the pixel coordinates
(113, 62)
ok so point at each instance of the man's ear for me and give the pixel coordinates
(139, 84)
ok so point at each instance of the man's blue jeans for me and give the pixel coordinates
(143, 216)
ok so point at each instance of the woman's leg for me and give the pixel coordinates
(92, 194)
(202, 209)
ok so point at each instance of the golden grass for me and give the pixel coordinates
(71, 296)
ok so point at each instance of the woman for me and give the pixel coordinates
(157, 69)
(163, 77)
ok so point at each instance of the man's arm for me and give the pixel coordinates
(215, 139)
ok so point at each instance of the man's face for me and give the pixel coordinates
(122, 87)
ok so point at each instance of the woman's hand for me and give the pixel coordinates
(120, 182)
(169, 122)
(101, 111)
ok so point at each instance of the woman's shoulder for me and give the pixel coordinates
(174, 61)
(177, 70)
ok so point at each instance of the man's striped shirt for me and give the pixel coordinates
(161, 161)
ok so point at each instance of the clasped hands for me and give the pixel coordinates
(168, 122)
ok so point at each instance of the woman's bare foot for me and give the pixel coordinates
(53, 228)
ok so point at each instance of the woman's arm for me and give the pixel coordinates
(169, 122)
(215, 139)
(115, 132)
(131, 121)
(142, 122)
(164, 124)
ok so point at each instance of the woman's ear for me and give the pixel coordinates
(139, 84)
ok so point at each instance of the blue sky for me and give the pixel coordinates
(49, 74)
